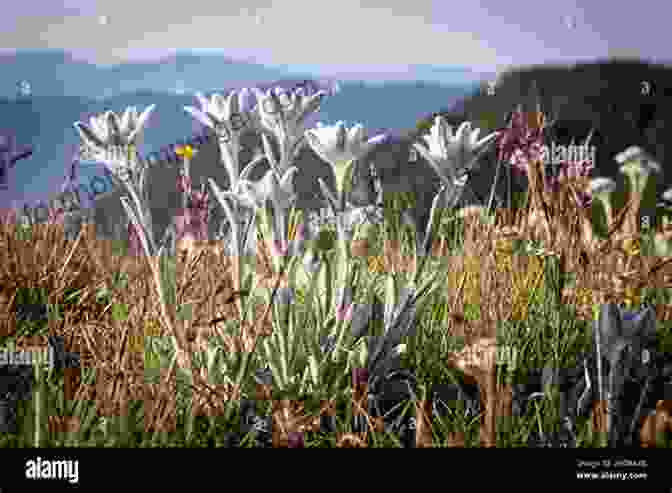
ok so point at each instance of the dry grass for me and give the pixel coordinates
(111, 346)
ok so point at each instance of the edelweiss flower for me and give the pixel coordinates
(637, 165)
(112, 140)
(341, 147)
(276, 187)
(452, 155)
(228, 117)
(601, 188)
(109, 129)
(220, 112)
(284, 113)
(130, 124)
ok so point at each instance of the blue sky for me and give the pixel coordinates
(487, 35)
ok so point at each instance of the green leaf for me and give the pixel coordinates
(53, 312)
(73, 295)
(168, 274)
(152, 360)
(120, 280)
(119, 312)
(185, 312)
(103, 295)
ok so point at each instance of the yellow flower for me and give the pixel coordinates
(187, 152)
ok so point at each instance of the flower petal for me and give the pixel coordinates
(125, 122)
(203, 118)
(316, 145)
(139, 123)
(113, 124)
(217, 107)
(99, 126)
(88, 136)
(245, 100)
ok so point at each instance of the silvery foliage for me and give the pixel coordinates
(227, 117)
(224, 234)
(273, 198)
(278, 113)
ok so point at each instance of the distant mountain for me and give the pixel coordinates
(410, 73)
(625, 102)
(57, 73)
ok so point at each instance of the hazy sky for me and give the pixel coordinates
(487, 35)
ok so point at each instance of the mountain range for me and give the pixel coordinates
(57, 73)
